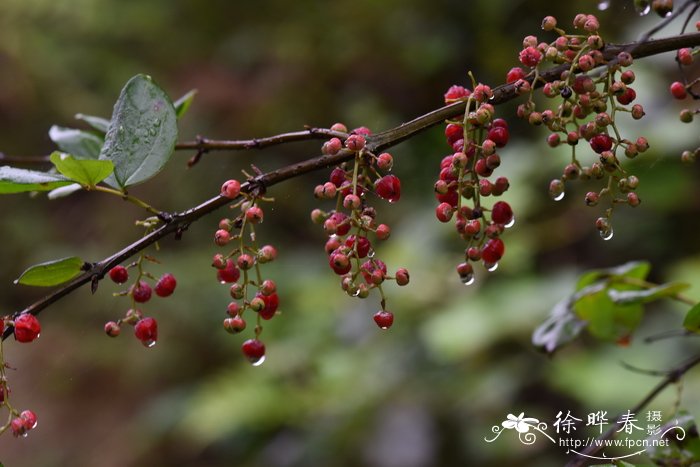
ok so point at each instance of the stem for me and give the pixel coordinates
(126, 197)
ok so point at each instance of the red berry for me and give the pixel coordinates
(493, 250)
(453, 132)
(363, 245)
(339, 263)
(254, 350)
(383, 231)
(444, 212)
(501, 213)
(27, 327)
(372, 270)
(355, 142)
(514, 74)
(601, 143)
(627, 97)
(29, 418)
(141, 292)
(234, 324)
(119, 274)
(165, 285)
(272, 301)
(451, 197)
(332, 146)
(267, 254)
(18, 428)
(499, 135)
(112, 329)
(362, 130)
(229, 274)
(530, 56)
(678, 90)
(245, 262)
(342, 225)
(384, 319)
(254, 215)
(231, 189)
(146, 330)
(389, 188)
(385, 161)
(337, 177)
(402, 277)
(456, 92)
(685, 56)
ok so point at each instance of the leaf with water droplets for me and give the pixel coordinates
(632, 269)
(14, 180)
(52, 272)
(142, 133)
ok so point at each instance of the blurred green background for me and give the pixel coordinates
(334, 389)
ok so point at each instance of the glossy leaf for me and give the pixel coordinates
(142, 133)
(98, 123)
(182, 104)
(633, 269)
(86, 172)
(14, 180)
(692, 319)
(81, 144)
(646, 295)
(52, 272)
(606, 319)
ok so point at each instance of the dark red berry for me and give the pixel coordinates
(339, 263)
(444, 212)
(530, 56)
(363, 245)
(165, 285)
(234, 324)
(678, 90)
(146, 330)
(601, 143)
(141, 292)
(627, 97)
(501, 213)
(229, 273)
(119, 274)
(17, 427)
(272, 302)
(453, 132)
(451, 197)
(337, 177)
(402, 276)
(389, 188)
(29, 418)
(493, 250)
(112, 329)
(27, 327)
(254, 350)
(384, 319)
(373, 270)
(340, 220)
(499, 135)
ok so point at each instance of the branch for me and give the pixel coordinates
(179, 222)
(672, 376)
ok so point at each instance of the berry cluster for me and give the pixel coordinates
(585, 108)
(349, 248)
(145, 327)
(681, 90)
(240, 267)
(464, 181)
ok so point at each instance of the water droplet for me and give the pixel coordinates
(642, 7)
(383, 328)
(356, 292)
(559, 197)
(222, 282)
(510, 224)
(259, 361)
(490, 267)
(370, 253)
(16, 281)
(149, 343)
(606, 234)
(121, 129)
(468, 279)
(603, 5)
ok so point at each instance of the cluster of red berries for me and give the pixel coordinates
(240, 267)
(349, 225)
(464, 181)
(145, 327)
(681, 90)
(587, 109)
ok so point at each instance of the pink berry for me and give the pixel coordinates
(389, 188)
(402, 276)
(231, 189)
(363, 245)
(355, 142)
(493, 250)
(678, 90)
(341, 222)
(385, 161)
(373, 270)
(27, 327)
(165, 285)
(234, 324)
(229, 274)
(254, 350)
(601, 143)
(18, 428)
(267, 254)
(141, 292)
(455, 93)
(119, 274)
(339, 263)
(383, 232)
(112, 329)
(29, 418)
(515, 74)
(254, 215)
(530, 56)
(501, 213)
(384, 319)
(146, 330)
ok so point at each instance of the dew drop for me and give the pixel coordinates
(603, 5)
(24, 435)
(259, 361)
(383, 328)
(559, 197)
(642, 7)
(149, 343)
(490, 267)
(468, 279)
(606, 234)
(511, 223)
(222, 282)
(356, 293)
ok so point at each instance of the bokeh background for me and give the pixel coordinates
(334, 390)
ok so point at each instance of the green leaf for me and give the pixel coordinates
(81, 144)
(621, 297)
(182, 104)
(606, 319)
(692, 319)
(14, 180)
(60, 192)
(142, 133)
(98, 123)
(633, 269)
(52, 272)
(86, 172)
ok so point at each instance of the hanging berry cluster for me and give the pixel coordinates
(585, 108)
(241, 268)
(350, 251)
(688, 87)
(464, 180)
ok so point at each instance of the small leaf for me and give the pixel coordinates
(86, 172)
(82, 144)
(606, 319)
(52, 272)
(14, 180)
(692, 319)
(142, 133)
(182, 104)
(60, 192)
(98, 123)
(622, 297)
(633, 269)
